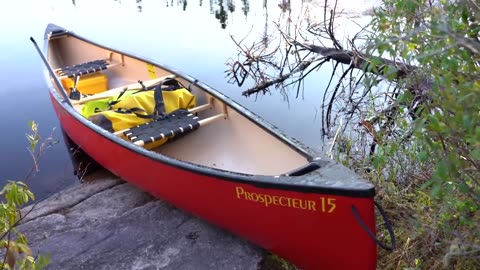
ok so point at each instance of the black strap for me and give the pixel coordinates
(142, 89)
(159, 110)
(113, 102)
(139, 112)
(371, 234)
(121, 94)
(168, 84)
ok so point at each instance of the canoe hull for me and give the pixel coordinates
(305, 215)
(313, 230)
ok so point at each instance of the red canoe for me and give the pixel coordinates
(235, 170)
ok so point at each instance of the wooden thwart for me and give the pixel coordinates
(110, 57)
(212, 119)
(200, 108)
(115, 91)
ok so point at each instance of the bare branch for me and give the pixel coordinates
(263, 86)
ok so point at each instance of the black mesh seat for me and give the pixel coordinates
(175, 123)
(83, 69)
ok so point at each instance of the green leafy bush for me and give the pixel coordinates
(16, 194)
(441, 38)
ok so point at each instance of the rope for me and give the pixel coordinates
(371, 234)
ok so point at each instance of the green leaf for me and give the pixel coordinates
(435, 124)
(441, 170)
(423, 156)
(23, 248)
(42, 261)
(475, 154)
(12, 219)
(464, 98)
(33, 126)
(405, 98)
(436, 190)
(21, 238)
(464, 188)
(30, 124)
(378, 162)
(467, 121)
(412, 46)
(428, 184)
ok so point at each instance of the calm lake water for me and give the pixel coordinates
(191, 36)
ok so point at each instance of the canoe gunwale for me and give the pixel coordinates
(359, 188)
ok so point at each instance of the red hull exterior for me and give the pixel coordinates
(312, 230)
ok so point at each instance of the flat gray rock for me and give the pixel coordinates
(109, 224)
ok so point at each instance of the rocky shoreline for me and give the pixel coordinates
(106, 223)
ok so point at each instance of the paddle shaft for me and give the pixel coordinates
(115, 91)
(52, 73)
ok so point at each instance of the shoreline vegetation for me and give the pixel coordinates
(16, 252)
(401, 110)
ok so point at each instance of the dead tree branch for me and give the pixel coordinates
(285, 59)
(359, 60)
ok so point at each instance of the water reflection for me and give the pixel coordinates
(223, 10)
(219, 8)
(285, 6)
(220, 13)
(245, 7)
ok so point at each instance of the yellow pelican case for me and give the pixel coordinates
(88, 84)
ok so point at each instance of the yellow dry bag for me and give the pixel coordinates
(135, 107)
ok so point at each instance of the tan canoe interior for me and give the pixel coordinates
(233, 143)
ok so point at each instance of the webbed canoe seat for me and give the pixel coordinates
(167, 126)
(85, 78)
(85, 68)
(170, 125)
